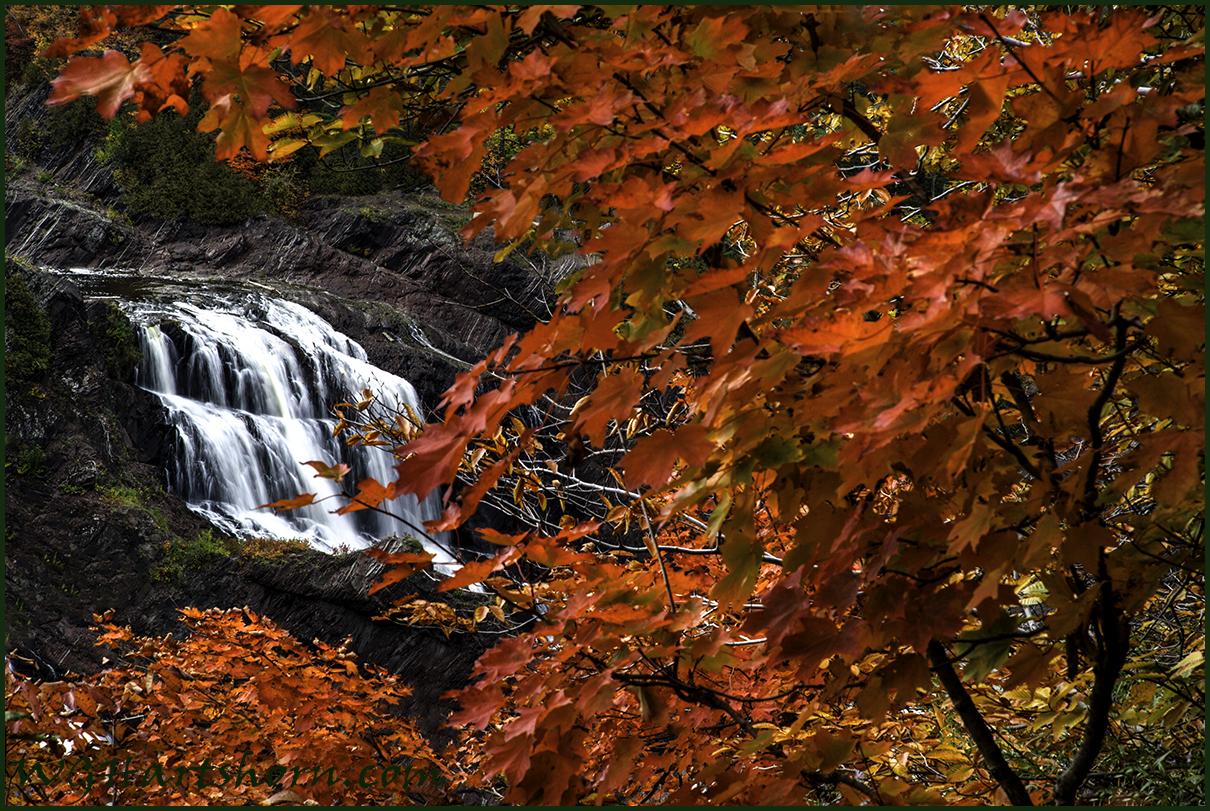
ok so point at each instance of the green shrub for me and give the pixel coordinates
(346, 173)
(271, 549)
(26, 333)
(343, 172)
(29, 462)
(167, 170)
(53, 135)
(281, 189)
(41, 70)
(68, 122)
(120, 496)
(121, 347)
(14, 166)
(181, 555)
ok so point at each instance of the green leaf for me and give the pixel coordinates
(993, 646)
(775, 452)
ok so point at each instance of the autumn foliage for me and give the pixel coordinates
(860, 459)
(224, 717)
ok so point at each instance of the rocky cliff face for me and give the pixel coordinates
(89, 525)
(387, 269)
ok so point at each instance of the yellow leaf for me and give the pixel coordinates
(1191, 662)
(947, 754)
(282, 123)
(961, 774)
(503, 253)
(617, 514)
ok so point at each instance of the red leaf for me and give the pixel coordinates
(369, 494)
(402, 563)
(505, 659)
(1081, 306)
(162, 82)
(216, 39)
(532, 15)
(986, 98)
(111, 79)
(713, 35)
(451, 158)
(381, 104)
(241, 122)
(1001, 164)
(500, 539)
(289, 503)
(327, 37)
(475, 493)
(131, 16)
(614, 398)
(478, 570)
(719, 315)
(652, 459)
(229, 73)
(273, 18)
(334, 472)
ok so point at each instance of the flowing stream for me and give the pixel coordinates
(248, 381)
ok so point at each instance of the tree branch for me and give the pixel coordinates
(1096, 438)
(1111, 656)
(976, 727)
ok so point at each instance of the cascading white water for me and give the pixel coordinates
(248, 382)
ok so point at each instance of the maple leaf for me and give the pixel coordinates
(382, 105)
(216, 39)
(327, 38)
(239, 98)
(403, 565)
(334, 472)
(713, 35)
(613, 399)
(290, 503)
(452, 158)
(270, 16)
(478, 571)
(528, 20)
(131, 16)
(369, 494)
(985, 100)
(111, 78)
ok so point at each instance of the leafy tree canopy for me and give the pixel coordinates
(885, 383)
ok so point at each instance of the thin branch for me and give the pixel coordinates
(1111, 657)
(1096, 438)
(1017, 453)
(1010, 45)
(1121, 354)
(978, 729)
(663, 569)
(837, 776)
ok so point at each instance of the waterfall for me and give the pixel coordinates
(248, 382)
